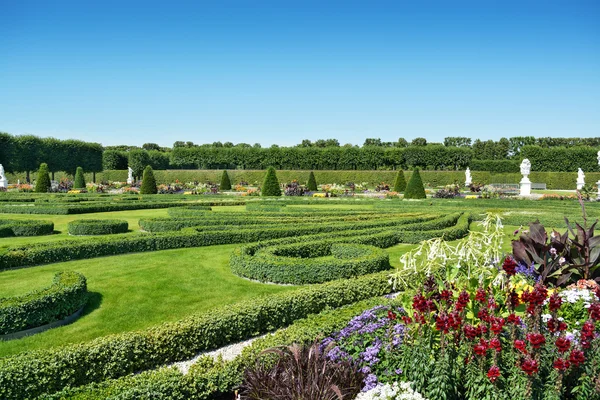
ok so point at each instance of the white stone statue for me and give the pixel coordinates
(3, 180)
(468, 179)
(525, 184)
(598, 183)
(580, 179)
(130, 176)
(598, 157)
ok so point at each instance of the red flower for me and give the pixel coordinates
(446, 295)
(492, 303)
(495, 344)
(561, 364)
(513, 319)
(419, 318)
(509, 266)
(562, 326)
(471, 332)
(391, 315)
(576, 357)
(555, 302)
(481, 348)
(529, 366)
(463, 300)
(536, 340)
(481, 295)
(493, 373)
(513, 299)
(520, 345)
(562, 344)
(497, 325)
(441, 323)
(483, 315)
(407, 320)
(454, 320)
(419, 303)
(539, 294)
(553, 325)
(594, 311)
(587, 334)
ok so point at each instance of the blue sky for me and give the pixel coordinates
(131, 72)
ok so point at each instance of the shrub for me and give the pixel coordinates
(414, 188)
(67, 294)
(10, 227)
(311, 185)
(148, 182)
(42, 184)
(400, 182)
(225, 182)
(301, 372)
(97, 226)
(270, 185)
(79, 179)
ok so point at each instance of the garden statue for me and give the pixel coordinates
(130, 176)
(3, 180)
(468, 179)
(580, 179)
(525, 188)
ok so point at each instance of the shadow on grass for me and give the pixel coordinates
(94, 301)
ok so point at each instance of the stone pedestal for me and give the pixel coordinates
(580, 185)
(4, 183)
(129, 181)
(598, 184)
(525, 189)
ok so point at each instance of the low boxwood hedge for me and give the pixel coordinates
(296, 263)
(97, 226)
(67, 294)
(10, 227)
(36, 373)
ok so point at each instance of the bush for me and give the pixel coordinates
(42, 184)
(10, 227)
(311, 185)
(67, 294)
(270, 185)
(148, 182)
(97, 226)
(79, 179)
(415, 189)
(400, 182)
(225, 182)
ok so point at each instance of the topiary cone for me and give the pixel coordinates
(148, 182)
(79, 179)
(414, 188)
(42, 184)
(270, 185)
(225, 182)
(312, 183)
(400, 182)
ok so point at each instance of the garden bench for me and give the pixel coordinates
(506, 187)
(538, 186)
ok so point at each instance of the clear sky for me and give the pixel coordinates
(131, 72)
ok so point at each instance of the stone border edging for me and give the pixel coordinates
(39, 329)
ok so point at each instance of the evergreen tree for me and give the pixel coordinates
(400, 183)
(79, 179)
(148, 182)
(415, 189)
(225, 182)
(42, 184)
(312, 182)
(270, 185)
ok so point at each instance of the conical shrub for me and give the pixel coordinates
(312, 183)
(148, 182)
(79, 179)
(270, 185)
(42, 184)
(400, 182)
(414, 188)
(225, 182)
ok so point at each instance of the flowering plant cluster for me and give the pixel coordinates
(394, 391)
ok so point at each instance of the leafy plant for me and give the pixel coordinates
(42, 184)
(312, 183)
(79, 179)
(148, 182)
(271, 184)
(414, 188)
(225, 181)
(301, 372)
(400, 182)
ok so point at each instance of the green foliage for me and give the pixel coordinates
(414, 188)
(79, 179)
(67, 294)
(10, 227)
(97, 226)
(270, 185)
(311, 185)
(148, 182)
(400, 182)
(114, 159)
(42, 184)
(138, 159)
(225, 182)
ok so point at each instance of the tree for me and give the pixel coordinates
(372, 142)
(419, 142)
(457, 141)
(400, 182)
(225, 182)
(42, 184)
(414, 188)
(148, 182)
(150, 146)
(79, 179)
(305, 143)
(401, 143)
(312, 182)
(114, 159)
(270, 185)
(138, 159)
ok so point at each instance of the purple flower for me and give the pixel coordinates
(527, 271)
(370, 382)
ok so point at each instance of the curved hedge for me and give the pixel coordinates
(10, 227)
(67, 294)
(296, 263)
(97, 226)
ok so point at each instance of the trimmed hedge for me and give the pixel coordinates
(67, 294)
(270, 186)
(42, 372)
(296, 264)
(10, 227)
(97, 226)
